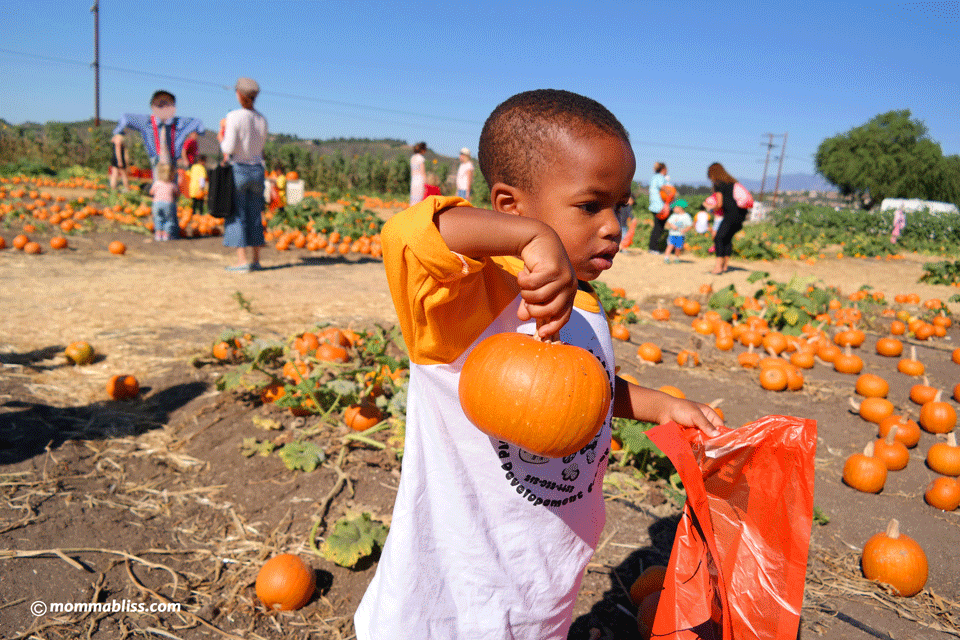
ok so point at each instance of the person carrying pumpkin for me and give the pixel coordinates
(488, 539)
(659, 180)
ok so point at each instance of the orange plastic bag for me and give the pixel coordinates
(739, 559)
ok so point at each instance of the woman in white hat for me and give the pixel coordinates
(245, 132)
(464, 174)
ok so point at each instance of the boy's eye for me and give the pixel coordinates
(591, 207)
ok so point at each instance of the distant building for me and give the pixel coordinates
(915, 204)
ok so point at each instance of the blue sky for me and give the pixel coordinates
(693, 82)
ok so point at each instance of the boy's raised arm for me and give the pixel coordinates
(548, 282)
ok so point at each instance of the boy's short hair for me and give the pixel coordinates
(158, 95)
(164, 172)
(517, 137)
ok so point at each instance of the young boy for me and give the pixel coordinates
(198, 184)
(488, 540)
(677, 225)
(279, 181)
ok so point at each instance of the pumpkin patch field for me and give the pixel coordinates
(207, 423)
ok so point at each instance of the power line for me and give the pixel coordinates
(342, 104)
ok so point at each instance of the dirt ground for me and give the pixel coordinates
(151, 502)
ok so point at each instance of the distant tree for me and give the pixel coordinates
(891, 156)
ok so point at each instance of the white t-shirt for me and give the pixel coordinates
(418, 177)
(464, 175)
(487, 540)
(702, 221)
(244, 135)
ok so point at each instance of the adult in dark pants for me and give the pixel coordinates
(657, 182)
(733, 214)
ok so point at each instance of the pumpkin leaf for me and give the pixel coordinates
(344, 387)
(303, 456)
(234, 378)
(353, 539)
(819, 517)
(638, 450)
(267, 424)
(251, 447)
(397, 406)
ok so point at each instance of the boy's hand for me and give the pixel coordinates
(548, 284)
(692, 414)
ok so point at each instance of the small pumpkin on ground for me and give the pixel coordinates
(123, 387)
(285, 582)
(864, 472)
(943, 493)
(893, 453)
(361, 417)
(895, 559)
(889, 347)
(937, 416)
(649, 352)
(619, 332)
(79, 352)
(650, 581)
(944, 457)
(871, 385)
(873, 409)
(911, 366)
(908, 431)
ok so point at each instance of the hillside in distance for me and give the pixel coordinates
(790, 182)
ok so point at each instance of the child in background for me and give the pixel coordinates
(432, 186)
(677, 226)
(488, 540)
(165, 193)
(198, 184)
(702, 222)
(280, 184)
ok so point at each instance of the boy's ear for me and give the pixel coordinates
(506, 199)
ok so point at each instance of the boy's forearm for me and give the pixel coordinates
(637, 403)
(479, 233)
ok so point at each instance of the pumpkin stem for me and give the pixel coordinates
(868, 450)
(892, 435)
(855, 405)
(951, 439)
(893, 529)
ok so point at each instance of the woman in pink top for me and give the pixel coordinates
(165, 193)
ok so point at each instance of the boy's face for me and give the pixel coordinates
(578, 195)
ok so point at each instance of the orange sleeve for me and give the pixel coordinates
(444, 300)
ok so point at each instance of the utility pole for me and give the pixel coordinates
(763, 182)
(783, 152)
(95, 9)
(770, 146)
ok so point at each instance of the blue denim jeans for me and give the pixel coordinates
(245, 227)
(165, 218)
